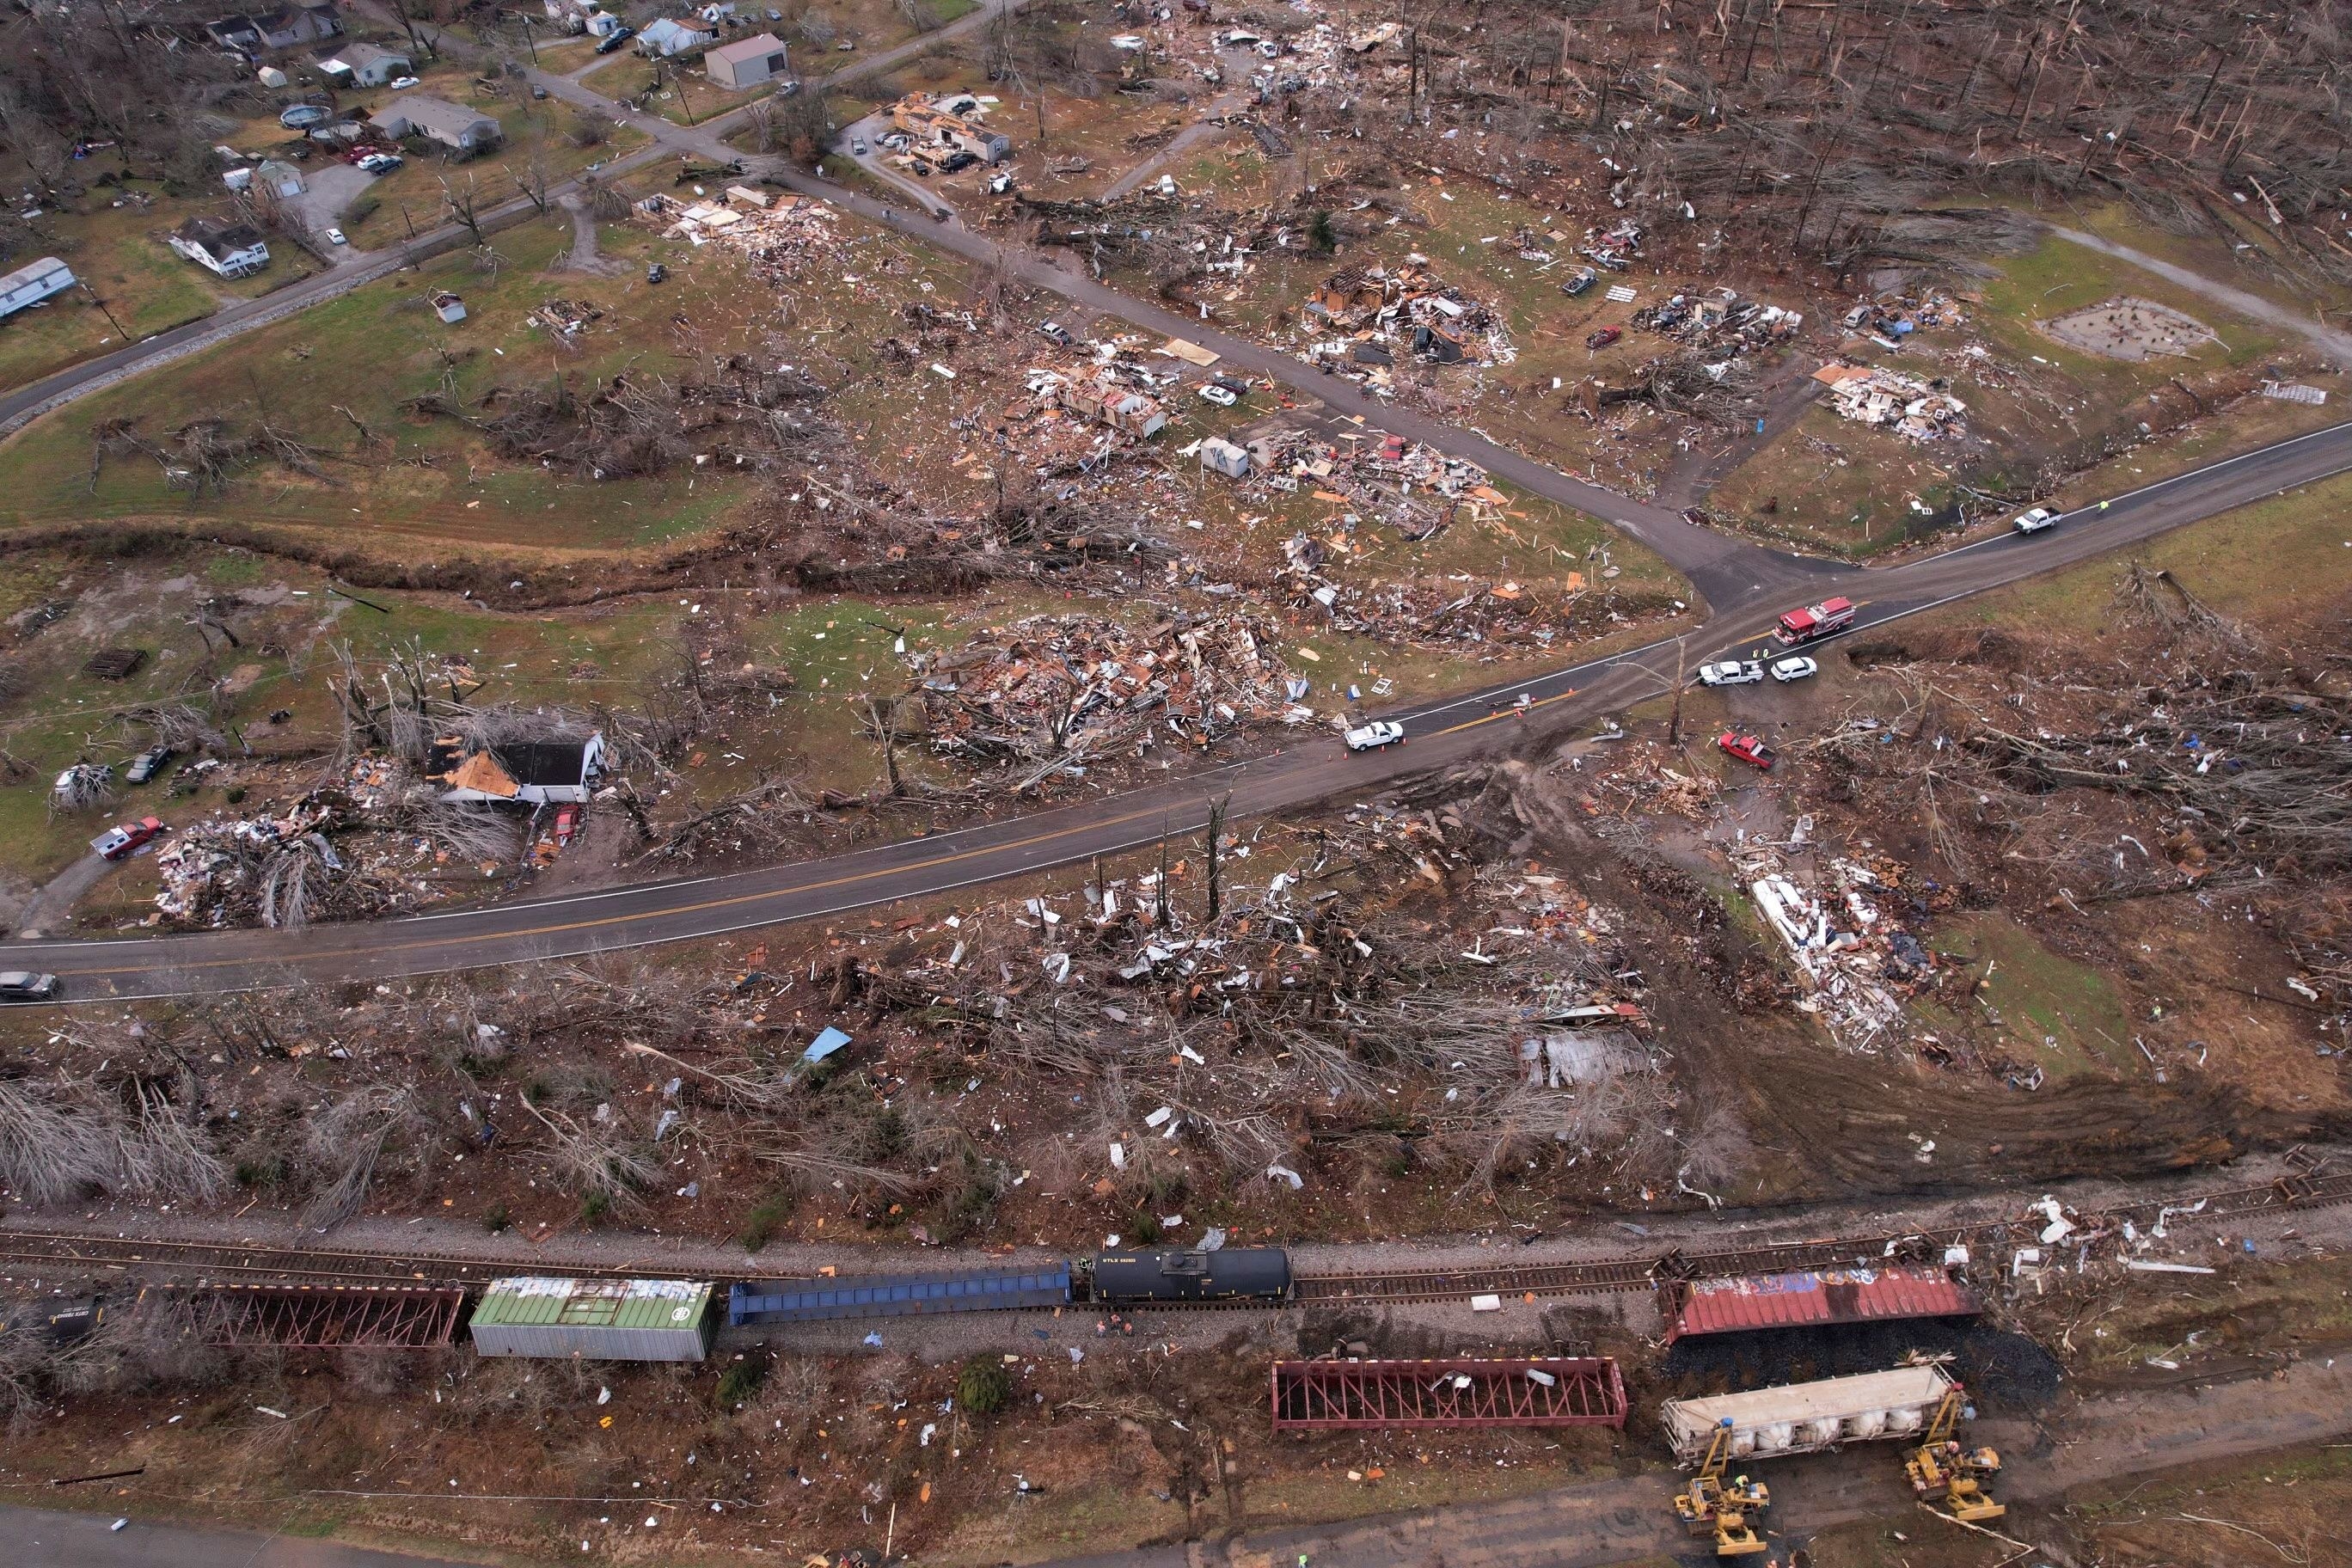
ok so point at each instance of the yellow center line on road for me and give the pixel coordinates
(698, 908)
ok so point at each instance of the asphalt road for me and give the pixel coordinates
(1746, 587)
(1310, 768)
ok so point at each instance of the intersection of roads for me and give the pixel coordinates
(1744, 587)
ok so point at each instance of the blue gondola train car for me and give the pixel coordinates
(1230, 1274)
(899, 1296)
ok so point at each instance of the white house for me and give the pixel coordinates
(365, 65)
(228, 247)
(669, 37)
(747, 62)
(456, 126)
(32, 283)
(532, 773)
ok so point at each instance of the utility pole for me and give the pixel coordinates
(1674, 719)
(109, 314)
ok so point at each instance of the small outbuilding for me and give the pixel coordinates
(748, 62)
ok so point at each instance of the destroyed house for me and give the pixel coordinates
(934, 127)
(532, 772)
(280, 27)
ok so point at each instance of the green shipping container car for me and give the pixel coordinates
(597, 1320)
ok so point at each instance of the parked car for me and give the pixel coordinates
(1579, 284)
(147, 764)
(1604, 337)
(774, 15)
(656, 273)
(24, 985)
(957, 163)
(1376, 736)
(615, 39)
(401, 83)
(1054, 333)
(382, 162)
(1748, 748)
(1211, 393)
(567, 823)
(1731, 672)
(117, 842)
(335, 235)
(1798, 669)
(1231, 384)
(857, 145)
(537, 93)
(2035, 520)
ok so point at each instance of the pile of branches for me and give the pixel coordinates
(629, 426)
(1692, 384)
(1832, 131)
(138, 1138)
(2256, 773)
(205, 454)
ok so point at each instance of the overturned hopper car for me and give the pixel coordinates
(1800, 1417)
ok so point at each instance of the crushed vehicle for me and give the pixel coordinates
(1602, 337)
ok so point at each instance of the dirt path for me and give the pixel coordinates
(52, 905)
(2337, 346)
(1696, 472)
(1624, 1519)
(583, 256)
(1630, 1519)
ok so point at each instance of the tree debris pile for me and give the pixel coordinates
(741, 416)
(1413, 488)
(1053, 694)
(374, 843)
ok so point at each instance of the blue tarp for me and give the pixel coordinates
(829, 1041)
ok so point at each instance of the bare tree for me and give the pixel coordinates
(461, 207)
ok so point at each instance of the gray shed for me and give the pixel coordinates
(598, 1319)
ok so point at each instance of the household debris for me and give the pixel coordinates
(1917, 410)
(1409, 309)
(1720, 322)
(1858, 963)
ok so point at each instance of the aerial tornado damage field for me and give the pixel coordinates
(871, 783)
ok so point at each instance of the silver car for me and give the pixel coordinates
(24, 985)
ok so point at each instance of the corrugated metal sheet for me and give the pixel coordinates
(610, 1319)
(1813, 1296)
(1552, 1391)
(968, 1290)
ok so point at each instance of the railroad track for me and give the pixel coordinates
(86, 1255)
(223, 1262)
(1614, 1276)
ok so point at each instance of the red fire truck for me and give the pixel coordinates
(1817, 621)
